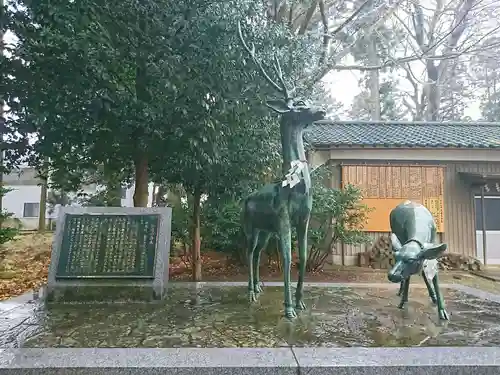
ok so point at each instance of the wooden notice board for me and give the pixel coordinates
(384, 187)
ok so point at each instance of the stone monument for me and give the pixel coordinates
(413, 242)
(279, 207)
(110, 253)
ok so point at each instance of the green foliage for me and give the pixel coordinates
(337, 217)
(160, 81)
(456, 92)
(97, 199)
(103, 197)
(490, 108)
(57, 197)
(181, 226)
(390, 102)
(222, 228)
(7, 233)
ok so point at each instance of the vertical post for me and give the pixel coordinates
(153, 198)
(483, 222)
(44, 178)
(332, 185)
(42, 217)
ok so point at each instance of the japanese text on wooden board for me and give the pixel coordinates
(383, 187)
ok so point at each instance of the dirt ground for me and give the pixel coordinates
(24, 266)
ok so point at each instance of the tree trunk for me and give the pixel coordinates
(154, 202)
(113, 194)
(141, 193)
(112, 180)
(433, 92)
(375, 110)
(43, 206)
(196, 247)
(160, 196)
(374, 77)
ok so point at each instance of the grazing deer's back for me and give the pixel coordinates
(411, 220)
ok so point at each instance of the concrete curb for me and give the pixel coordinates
(221, 284)
(252, 361)
(407, 361)
(485, 275)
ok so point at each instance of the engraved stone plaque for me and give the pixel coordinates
(108, 246)
(105, 252)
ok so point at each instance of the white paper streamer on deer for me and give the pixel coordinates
(430, 267)
(294, 174)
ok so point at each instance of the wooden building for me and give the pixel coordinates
(449, 167)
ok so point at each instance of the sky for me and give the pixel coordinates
(344, 87)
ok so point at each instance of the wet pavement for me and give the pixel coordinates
(222, 317)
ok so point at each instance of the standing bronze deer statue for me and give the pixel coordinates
(279, 207)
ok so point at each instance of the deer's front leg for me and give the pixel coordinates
(430, 289)
(286, 255)
(401, 288)
(302, 240)
(443, 315)
(404, 295)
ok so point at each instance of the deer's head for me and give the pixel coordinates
(410, 257)
(295, 112)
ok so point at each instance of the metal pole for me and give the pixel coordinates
(483, 222)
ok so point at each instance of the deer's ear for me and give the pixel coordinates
(432, 251)
(278, 106)
(396, 244)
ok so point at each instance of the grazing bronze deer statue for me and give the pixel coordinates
(413, 242)
(277, 208)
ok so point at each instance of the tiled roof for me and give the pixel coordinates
(404, 134)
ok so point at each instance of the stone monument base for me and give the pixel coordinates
(103, 291)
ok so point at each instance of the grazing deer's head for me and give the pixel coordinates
(410, 257)
(295, 112)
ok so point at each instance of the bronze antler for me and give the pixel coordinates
(277, 67)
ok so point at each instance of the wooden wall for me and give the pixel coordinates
(386, 186)
(459, 226)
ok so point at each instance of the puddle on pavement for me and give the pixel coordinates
(222, 317)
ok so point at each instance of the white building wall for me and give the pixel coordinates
(128, 201)
(15, 200)
(27, 191)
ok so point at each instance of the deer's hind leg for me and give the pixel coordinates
(285, 241)
(252, 241)
(262, 241)
(302, 240)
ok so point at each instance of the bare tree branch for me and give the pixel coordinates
(350, 18)
(326, 37)
(397, 62)
(389, 9)
(309, 14)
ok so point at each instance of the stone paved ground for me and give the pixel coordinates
(222, 317)
(18, 320)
